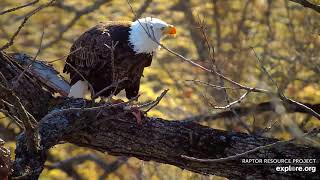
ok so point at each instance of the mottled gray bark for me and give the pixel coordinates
(113, 129)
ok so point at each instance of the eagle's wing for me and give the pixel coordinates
(133, 90)
(91, 57)
(89, 53)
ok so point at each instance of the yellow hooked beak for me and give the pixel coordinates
(170, 30)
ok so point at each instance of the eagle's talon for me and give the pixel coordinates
(116, 101)
(122, 53)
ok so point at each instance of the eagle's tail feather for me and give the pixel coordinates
(79, 89)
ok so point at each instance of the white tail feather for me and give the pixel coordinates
(78, 90)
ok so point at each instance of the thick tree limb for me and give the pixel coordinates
(44, 73)
(116, 132)
(113, 129)
(30, 90)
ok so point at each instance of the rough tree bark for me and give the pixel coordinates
(113, 129)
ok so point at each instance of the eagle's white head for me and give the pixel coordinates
(146, 33)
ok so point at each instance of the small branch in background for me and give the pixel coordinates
(112, 48)
(190, 61)
(63, 57)
(281, 96)
(216, 18)
(15, 34)
(216, 72)
(113, 85)
(68, 165)
(23, 23)
(19, 7)
(31, 62)
(307, 4)
(305, 121)
(112, 167)
(212, 85)
(29, 122)
(78, 14)
(142, 9)
(254, 109)
(234, 102)
(154, 103)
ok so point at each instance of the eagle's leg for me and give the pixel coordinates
(115, 101)
(132, 92)
(78, 90)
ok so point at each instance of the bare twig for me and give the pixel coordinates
(15, 34)
(155, 102)
(28, 120)
(112, 167)
(31, 62)
(190, 61)
(308, 4)
(86, 109)
(114, 84)
(253, 109)
(234, 102)
(71, 162)
(19, 7)
(112, 48)
(63, 57)
(285, 99)
(78, 14)
(23, 23)
(212, 85)
(143, 8)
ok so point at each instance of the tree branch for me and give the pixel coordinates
(113, 129)
(68, 164)
(307, 4)
(25, 19)
(116, 132)
(254, 109)
(19, 7)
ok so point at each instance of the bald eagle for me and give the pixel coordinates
(114, 52)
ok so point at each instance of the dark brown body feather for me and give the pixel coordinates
(92, 56)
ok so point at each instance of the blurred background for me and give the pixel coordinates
(284, 34)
